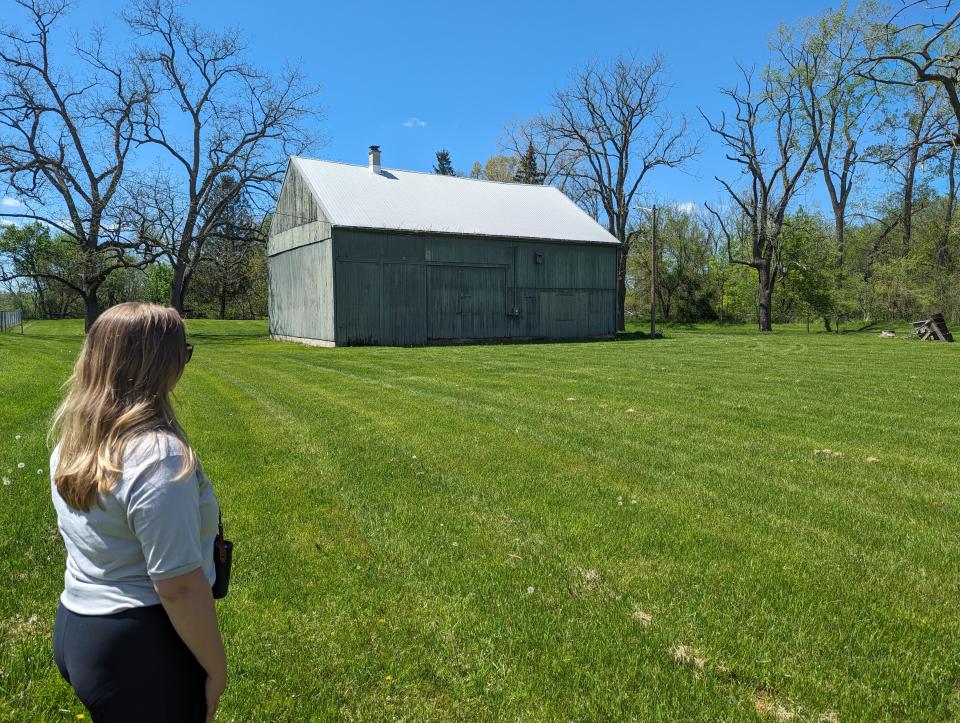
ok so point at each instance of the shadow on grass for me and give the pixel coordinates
(637, 336)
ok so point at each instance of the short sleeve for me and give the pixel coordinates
(164, 515)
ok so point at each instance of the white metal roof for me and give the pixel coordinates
(354, 196)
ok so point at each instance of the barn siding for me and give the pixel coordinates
(301, 292)
(300, 265)
(296, 204)
(397, 288)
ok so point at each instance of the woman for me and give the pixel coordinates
(136, 631)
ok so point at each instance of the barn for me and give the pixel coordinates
(369, 255)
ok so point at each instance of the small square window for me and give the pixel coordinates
(538, 258)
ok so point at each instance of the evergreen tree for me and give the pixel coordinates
(444, 167)
(527, 171)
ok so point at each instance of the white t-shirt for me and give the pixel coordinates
(148, 527)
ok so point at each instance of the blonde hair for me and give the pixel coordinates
(132, 358)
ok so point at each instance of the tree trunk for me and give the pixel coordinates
(176, 287)
(839, 230)
(223, 301)
(943, 252)
(908, 200)
(91, 308)
(826, 324)
(764, 297)
(621, 289)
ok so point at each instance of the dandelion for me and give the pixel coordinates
(456, 544)
(80, 716)
(633, 502)
(414, 456)
(382, 621)
(21, 465)
(6, 481)
(17, 438)
(531, 590)
(388, 678)
(39, 471)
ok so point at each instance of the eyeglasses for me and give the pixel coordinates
(189, 353)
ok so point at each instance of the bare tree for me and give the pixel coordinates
(606, 132)
(773, 114)
(65, 140)
(554, 159)
(821, 58)
(914, 134)
(924, 51)
(239, 122)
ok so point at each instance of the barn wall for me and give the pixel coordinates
(395, 288)
(300, 265)
(296, 204)
(301, 292)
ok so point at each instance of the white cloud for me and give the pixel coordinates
(9, 202)
(414, 122)
(687, 207)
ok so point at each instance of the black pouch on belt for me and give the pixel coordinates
(222, 559)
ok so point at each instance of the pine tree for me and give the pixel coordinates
(527, 167)
(527, 171)
(444, 167)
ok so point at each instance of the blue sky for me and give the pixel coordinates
(418, 76)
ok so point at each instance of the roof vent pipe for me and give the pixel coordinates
(374, 159)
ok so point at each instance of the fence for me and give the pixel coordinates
(11, 318)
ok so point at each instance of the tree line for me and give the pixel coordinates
(860, 103)
(145, 167)
(150, 172)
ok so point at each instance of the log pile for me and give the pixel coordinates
(932, 329)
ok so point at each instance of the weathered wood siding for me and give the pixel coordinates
(300, 265)
(397, 288)
(296, 204)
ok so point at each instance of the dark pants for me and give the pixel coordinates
(129, 666)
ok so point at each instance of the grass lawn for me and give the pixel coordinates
(545, 532)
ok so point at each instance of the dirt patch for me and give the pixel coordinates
(685, 655)
(767, 705)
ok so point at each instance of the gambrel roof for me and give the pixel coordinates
(353, 196)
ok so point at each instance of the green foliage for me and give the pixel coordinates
(443, 166)
(810, 254)
(230, 280)
(528, 170)
(47, 267)
(687, 287)
(156, 289)
(444, 533)
(497, 168)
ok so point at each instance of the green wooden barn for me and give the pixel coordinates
(369, 255)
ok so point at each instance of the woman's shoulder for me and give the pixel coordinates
(151, 448)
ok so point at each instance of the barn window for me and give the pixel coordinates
(537, 258)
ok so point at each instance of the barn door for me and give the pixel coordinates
(404, 291)
(358, 302)
(467, 302)
(565, 314)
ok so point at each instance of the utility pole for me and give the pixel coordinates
(653, 276)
